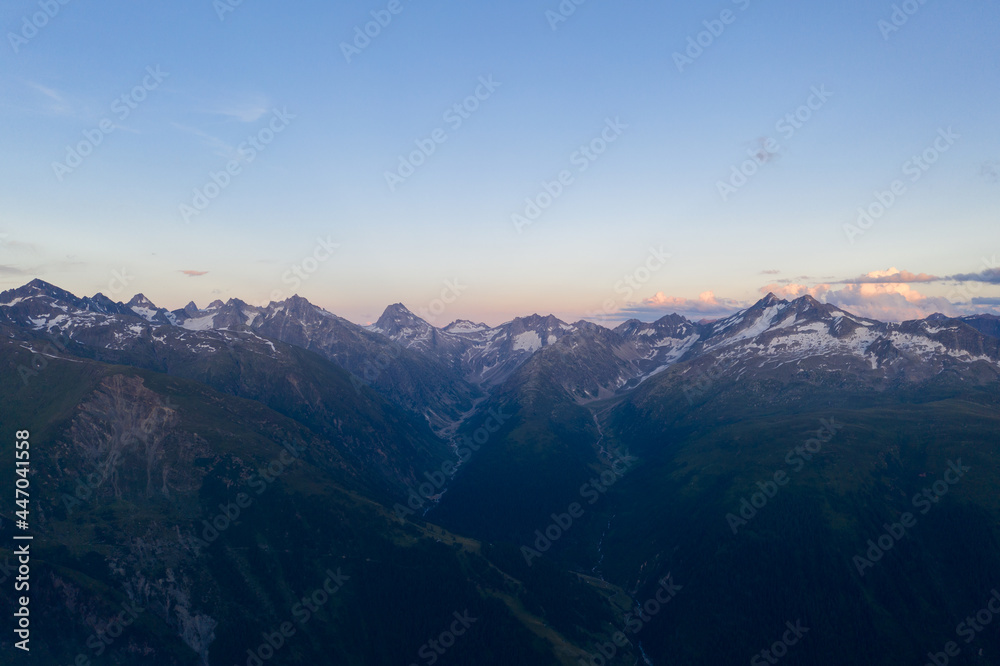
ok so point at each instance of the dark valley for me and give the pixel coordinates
(248, 485)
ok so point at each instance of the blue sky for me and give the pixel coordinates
(555, 86)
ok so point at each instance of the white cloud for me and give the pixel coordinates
(706, 306)
(245, 111)
(58, 104)
(873, 296)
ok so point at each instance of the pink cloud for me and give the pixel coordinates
(891, 302)
(892, 276)
(791, 291)
(887, 295)
(707, 305)
(878, 295)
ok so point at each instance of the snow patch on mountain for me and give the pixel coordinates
(464, 326)
(146, 313)
(204, 323)
(528, 341)
(762, 323)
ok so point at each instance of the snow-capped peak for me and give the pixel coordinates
(465, 326)
(140, 301)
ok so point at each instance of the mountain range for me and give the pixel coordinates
(544, 476)
(440, 372)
